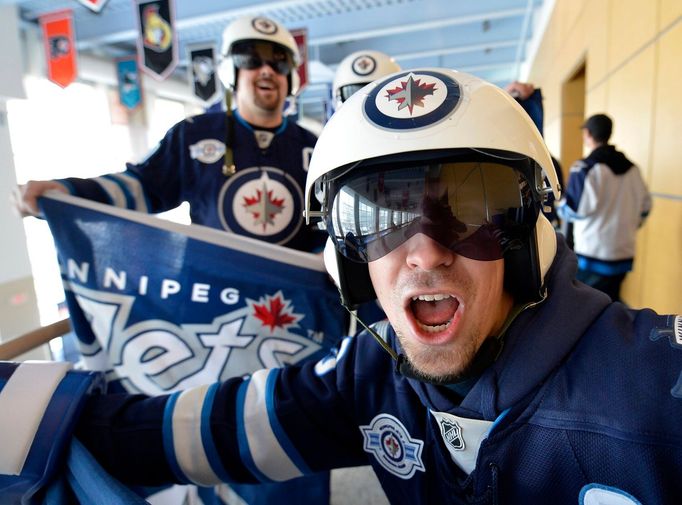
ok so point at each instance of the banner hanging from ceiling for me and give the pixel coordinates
(93, 5)
(157, 45)
(129, 85)
(202, 72)
(60, 48)
(301, 37)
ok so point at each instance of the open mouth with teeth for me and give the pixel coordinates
(265, 85)
(434, 313)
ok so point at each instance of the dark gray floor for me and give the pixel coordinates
(356, 486)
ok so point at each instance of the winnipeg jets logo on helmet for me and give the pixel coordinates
(262, 202)
(264, 26)
(412, 100)
(364, 65)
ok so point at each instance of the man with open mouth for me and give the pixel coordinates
(498, 377)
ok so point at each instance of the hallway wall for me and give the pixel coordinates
(631, 52)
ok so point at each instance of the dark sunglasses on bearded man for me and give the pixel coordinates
(249, 55)
(469, 206)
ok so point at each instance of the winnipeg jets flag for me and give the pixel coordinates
(161, 306)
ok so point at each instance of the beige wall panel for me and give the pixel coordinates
(633, 23)
(631, 105)
(596, 99)
(595, 18)
(552, 137)
(566, 17)
(670, 11)
(660, 261)
(572, 145)
(632, 291)
(666, 169)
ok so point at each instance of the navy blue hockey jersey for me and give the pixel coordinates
(262, 200)
(582, 407)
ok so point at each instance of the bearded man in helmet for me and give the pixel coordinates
(497, 377)
(209, 159)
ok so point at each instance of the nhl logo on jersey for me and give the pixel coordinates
(452, 433)
(412, 100)
(263, 203)
(390, 443)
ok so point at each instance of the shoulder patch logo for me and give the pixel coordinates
(207, 150)
(390, 443)
(363, 65)
(598, 494)
(412, 100)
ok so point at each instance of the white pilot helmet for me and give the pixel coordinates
(359, 69)
(415, 119)
(256, 29)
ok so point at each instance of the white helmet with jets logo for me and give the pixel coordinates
(430, 125)
(359, 69)
(256, 29)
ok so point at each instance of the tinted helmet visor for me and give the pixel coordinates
(349, 90)
(467, 206)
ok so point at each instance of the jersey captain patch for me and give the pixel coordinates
(263, 203)
(390, 443)
(412, 100)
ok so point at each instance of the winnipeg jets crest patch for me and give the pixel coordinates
(412, 100)
(390, 443)
(207, 150)
(263, 203)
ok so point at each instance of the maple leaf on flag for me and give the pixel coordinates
(410, 93)
(274, 315)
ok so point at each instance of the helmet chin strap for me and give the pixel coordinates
(487, 354)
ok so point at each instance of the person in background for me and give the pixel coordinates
(357, 70)
(496, 379)
(607, 201)
(218, 160)
(530, 98)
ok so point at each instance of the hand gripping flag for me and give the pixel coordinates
(162, 307)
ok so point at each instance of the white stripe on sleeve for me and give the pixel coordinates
(266, 451)
(23, 402)
(189, 449)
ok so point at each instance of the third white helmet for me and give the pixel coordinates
(359, 69)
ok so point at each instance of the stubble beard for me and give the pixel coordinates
(446, 364)
(268, 104)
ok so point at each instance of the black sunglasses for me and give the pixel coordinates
(252, 61)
